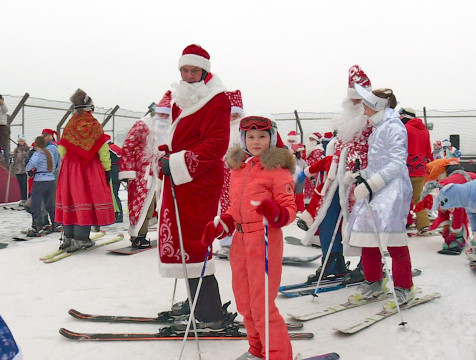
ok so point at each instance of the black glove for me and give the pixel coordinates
(165, 165)
(108, 176)
(32, 172)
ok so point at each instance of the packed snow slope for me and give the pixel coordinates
(35, 298)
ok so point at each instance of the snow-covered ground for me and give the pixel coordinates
(35, 298)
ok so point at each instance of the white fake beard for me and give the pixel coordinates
(350, 122)
(186, 95)
(312, 145)
(158, 134)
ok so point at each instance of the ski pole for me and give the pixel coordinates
(324, 264)
(195, 300)
(372, 220)
(173, 294)
(184, 265)
(266, 288)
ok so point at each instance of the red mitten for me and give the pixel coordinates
(449, 238)
(276, 214)
(220, 227)
(426, 203)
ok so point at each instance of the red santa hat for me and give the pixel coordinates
(236, 102)
(195, 55)
(357, 76)
(316, 136)
(163, 107)
(297, 147)
(328, 136)
(49, 132)
(293, 136)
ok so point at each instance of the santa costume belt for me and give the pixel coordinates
(249, 227)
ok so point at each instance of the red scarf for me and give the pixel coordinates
(83, 135)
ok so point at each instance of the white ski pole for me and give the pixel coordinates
(192, 308)
(266, 288)
(324, 264)
(184, 265)
(372, 220)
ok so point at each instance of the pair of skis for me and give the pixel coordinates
(308, 314)
(63, 253)
(230, 332)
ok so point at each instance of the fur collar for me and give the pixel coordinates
(273, 158)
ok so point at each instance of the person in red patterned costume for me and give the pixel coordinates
(237, 113)
(314, 153)
(335, 196)
(83, 194)
(198, 141)
(139, 166)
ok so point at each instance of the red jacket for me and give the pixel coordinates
(419, 147)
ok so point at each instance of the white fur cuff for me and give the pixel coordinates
(129, 175)
(178, 168)
(376, 182)
(308, 173)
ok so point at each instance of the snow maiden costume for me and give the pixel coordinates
(335, 196)
(387, 177)
(139, 165)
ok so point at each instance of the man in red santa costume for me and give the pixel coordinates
(291, 139)
(198, 141)
(336, 195)
(314, 153)
(139, 165)
(237, 113)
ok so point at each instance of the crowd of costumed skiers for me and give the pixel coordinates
(209, 172)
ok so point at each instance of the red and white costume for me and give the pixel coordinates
(139, 161)
(198, 141)
(314, 153)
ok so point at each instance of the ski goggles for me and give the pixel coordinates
(256, 123)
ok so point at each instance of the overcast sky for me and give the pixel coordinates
(282, 55)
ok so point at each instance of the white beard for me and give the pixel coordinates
(350, 122)
(186, 95)
(158, 134)
(312, 145)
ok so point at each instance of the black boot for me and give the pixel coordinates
(140, 242)
(302, 225)
(119, 217)
(335, 268)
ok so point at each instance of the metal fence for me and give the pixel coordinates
(34, 114)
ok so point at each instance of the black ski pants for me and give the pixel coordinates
(208, 307)
(43, 192)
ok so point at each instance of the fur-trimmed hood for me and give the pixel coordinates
(272, 158)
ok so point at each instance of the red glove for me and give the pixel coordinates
(426, 203)
(220, 227)
(276, 214)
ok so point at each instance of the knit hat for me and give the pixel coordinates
(236, 102)
(328, 136)
(49, 132)
(163, 107)
(357, 76)
(316, 136)
(437, 144)
(438, 167)
(293, 136)
(21, 137)
(407, 113)
(195, 55)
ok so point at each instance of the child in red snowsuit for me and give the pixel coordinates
(261, 173)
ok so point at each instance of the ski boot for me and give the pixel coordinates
(53, 228)
(140, 242)
(354, 276)
(35, 230)
(79, 244)
(403, 297)
(368, 290)
(228, 322)
(65, 243)
(335, 268)
(248, 356)
(454, 248)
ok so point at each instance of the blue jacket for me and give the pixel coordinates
(38, 161)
